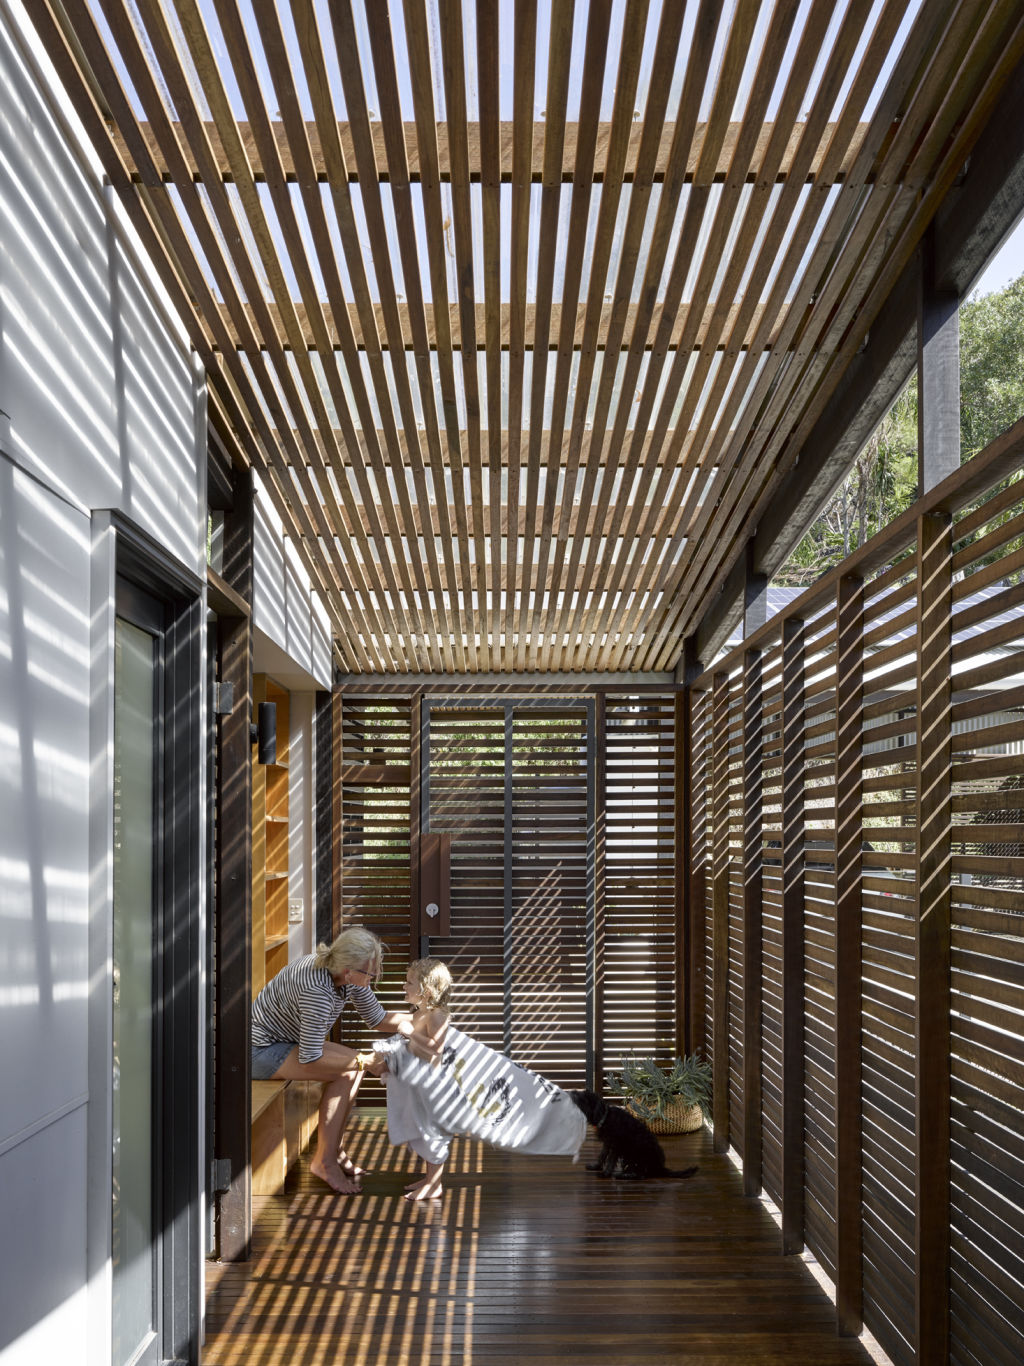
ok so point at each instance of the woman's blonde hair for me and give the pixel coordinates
(435, 982)
(352, 948)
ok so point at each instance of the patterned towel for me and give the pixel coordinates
(479, 1092)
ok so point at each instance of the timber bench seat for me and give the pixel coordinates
(283, 1121)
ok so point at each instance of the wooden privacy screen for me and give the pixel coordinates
(562, 937)
(857, 809)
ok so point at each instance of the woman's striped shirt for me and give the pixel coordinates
(301, 1004)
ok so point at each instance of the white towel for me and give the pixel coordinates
(479, 1092)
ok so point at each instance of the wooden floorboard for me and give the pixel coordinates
(525, 1260)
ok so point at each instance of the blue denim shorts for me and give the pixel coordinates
(266, 1061)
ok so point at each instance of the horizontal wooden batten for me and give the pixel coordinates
(441, 162)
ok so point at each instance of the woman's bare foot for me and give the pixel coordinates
(349, 1167)
(338, 1180)
(429, 1188)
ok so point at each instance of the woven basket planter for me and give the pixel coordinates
(679, 1118)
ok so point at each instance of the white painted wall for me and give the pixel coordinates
(293, 638)
(102, 408)
(44, 927)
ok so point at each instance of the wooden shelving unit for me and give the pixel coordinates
(270, 845)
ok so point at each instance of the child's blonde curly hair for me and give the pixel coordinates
(435, 983)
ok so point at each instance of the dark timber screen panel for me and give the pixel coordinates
(890, 808)
(563, 933)
(638, 914)
(375, 892)
(466, 786)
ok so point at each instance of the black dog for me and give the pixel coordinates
(630, 1151)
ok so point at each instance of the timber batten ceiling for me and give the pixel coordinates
(523, 311)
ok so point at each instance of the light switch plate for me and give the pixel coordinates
(295, 910)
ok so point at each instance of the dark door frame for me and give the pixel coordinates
(142, 565)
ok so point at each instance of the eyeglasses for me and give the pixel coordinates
(370, 975)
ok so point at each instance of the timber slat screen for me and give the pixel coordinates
(638, 908)
(466, 783)
(885, 710)
(563, 933)
(375, 890)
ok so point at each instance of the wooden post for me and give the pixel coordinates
(720, 911)
(338, 794)
(683, 862)
(934, 856)
(849, 842)
(415, 822)
(753, 850)
(938, 375)
(232, 1095)
(697, 893)
(793, 935)
(599, 749)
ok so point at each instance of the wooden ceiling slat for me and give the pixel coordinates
(920, 112)
(488, 86)
(567, 320)
(554, 440)
(393, 621)
(453, 61)
(523, 80)
(418, 48)
(655, 469)
(778, 231)
(740, 38)
(103, 73)
(326, 169)
(567, 324)
(363, 329)
(390, 113)
(346, 51)
(623, 108)
(555, 105)
(581, 522)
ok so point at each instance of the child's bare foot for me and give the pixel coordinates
(337, 1179)
(425, 1190)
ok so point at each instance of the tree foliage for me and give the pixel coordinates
(883, 480)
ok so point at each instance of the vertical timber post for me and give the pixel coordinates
(793, 837)
(232, 1095)
(417, 948)
(753, 851)
(338, 793)
(934, 865)
(849, 841)
(597, 752)
(683, 862)
(938, 375)
(720, 911)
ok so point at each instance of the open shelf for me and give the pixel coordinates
(270, 839)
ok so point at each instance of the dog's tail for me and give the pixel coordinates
(686, 1171)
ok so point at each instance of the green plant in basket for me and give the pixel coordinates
(654, 1092)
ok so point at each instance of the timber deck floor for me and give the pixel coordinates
(524, 1260)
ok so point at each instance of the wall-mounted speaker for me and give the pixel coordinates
(263, 733)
